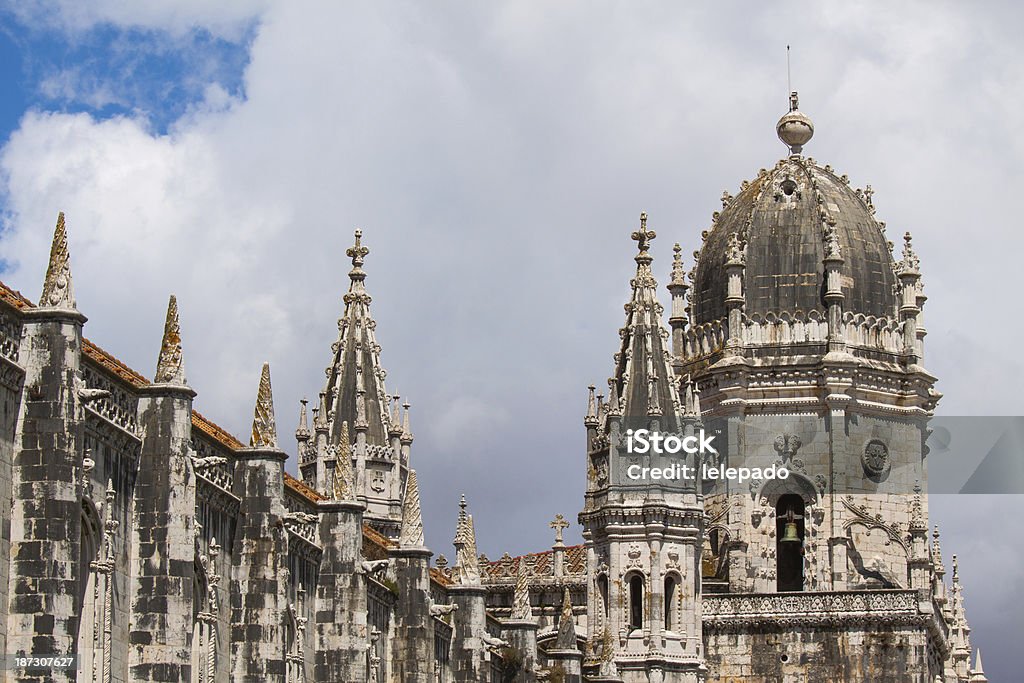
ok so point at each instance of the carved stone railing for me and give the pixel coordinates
(870, 332)
(810, 609)
(704, 339)
(120, 407)
(307, 530)
(10, 336)
(221, 475)
(375, 452)
(785, 329)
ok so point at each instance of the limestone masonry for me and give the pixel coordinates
(143, 538)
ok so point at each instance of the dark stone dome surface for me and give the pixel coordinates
(781, 215)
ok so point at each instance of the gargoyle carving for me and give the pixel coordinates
(375, 566)
(300, 517)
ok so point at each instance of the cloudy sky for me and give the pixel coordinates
(497, 157)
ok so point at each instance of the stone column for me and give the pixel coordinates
(469, 651)
(571, 663)
(258, 557)
(162, 553)
(522, 637)
(45, 513)
(413, 646)
(340, 615)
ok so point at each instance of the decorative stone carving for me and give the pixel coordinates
(875, 459)
(264, 428)
(57, 289)
(169, 366)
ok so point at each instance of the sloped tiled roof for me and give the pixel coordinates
(538, 564)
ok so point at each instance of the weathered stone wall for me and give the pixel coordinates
(46, 510)
(340, 619)
(802, 655)
(845, 544)
(10, 398)
(260, 547)
(163, 534)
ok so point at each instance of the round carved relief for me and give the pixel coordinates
(875, 459)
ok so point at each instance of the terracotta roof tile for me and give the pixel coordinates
(14, 297)
(301, 488)
(215, 431)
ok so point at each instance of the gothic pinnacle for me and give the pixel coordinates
(406, 431)
(521, 607)
(57, 289)
(412, 517)
(170, 368)
(590, 420)
(566, 624)
(302, 431)
(264, 429)
(678, 272)
(467, 563)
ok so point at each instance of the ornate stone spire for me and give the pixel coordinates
(978, 673)
(343, 486)
(302, 431)
(644, 378)
(521, 609)
(170, 368)
(264, 429)
(355, 390)
(467, 564)
(57, 289)
(566, 625)
(590, 419)
(407, 437)
(412, 518)
(910, 263)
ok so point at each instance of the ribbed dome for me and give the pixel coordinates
(780, 215)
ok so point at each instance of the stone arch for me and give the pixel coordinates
(635, 584)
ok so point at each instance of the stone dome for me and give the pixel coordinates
(781, 216)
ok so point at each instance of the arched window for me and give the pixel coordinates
(88, 597)
(671, 602)
(636, 601)
(789, 542)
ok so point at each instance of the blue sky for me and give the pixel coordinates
(496, 157)
(108, 70)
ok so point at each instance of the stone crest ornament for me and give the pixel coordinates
(57, 289)
(875, 459)
(169, 367)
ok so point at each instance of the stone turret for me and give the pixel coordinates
(260, 549)
(46, 507)
(643, 597)
(470, 658)
(354, 394)
(341, 602)
(164, 498)
(413, 649)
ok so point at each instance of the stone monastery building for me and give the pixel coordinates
(146, 540)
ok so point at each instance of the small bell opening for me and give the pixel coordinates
(790, 543)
